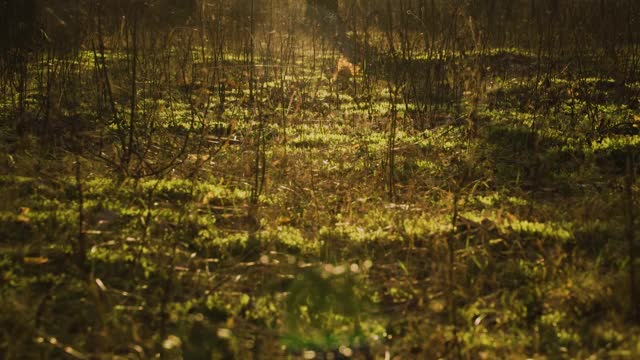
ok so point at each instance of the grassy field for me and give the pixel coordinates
(323, 214)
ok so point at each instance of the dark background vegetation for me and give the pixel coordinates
(384, 179)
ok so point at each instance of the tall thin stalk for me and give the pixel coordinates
(134, 90)
(630, 234)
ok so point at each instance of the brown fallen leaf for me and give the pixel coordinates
(35, 260)
(22, 216)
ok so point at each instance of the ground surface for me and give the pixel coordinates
(498, 233)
